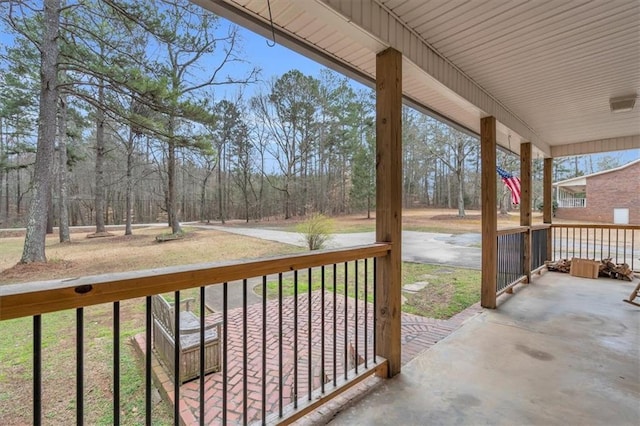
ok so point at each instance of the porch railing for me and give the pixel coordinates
(572, 202)
(513, 258)
(621, 243)
(539, 250)
(510, 260)
(313, 344)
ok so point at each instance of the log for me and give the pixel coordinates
(608, 269)
(619, 271)
(562, 265)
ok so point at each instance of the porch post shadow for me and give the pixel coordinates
(489, 212)
(525, 204)
(389, 205)
(547, 210)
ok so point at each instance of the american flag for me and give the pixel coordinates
(512, 182)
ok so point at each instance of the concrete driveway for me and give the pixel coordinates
(461, 250)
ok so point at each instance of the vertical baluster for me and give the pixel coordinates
(601, 243)
(37, 370)
(80, 366)
(617, 243)
(310, 352)
(624, 246)
(375, 309)
(633, 247)
(176, 359)
(116, 363)
(346, 323)
(202, 353)
(244, 352)
(147, 358)
(322, 328)
(609, 244)
(225, 345)
(580, 239)
(587, 246)
(559, 230)
(295, 339)
(366, 313)
(355, 313)
(280, 345)
(335, 327)
(264, 349)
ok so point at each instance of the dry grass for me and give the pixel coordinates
(427, 220)
(92, 256)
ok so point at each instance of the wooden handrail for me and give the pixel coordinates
(541, 226)
(595, 226)
(509, 231)
(28, 299)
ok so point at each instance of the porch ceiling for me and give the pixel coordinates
(546, 70)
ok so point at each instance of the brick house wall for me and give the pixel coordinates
(619, 189)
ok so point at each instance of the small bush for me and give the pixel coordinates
(316, 231)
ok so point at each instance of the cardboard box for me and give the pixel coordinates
(585, 268)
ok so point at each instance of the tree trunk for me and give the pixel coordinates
(100, 153)
(63, 205)
(460, 194)
(449, 204)
(220, 189)
(129, 189)
(34, 244)
(50, 218)
(245, 191)
(172, 202)
(203, 195)
(504, 202)
(460, 175)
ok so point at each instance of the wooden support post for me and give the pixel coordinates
(489, 212)
(526, 204)
(389, 205)
(547, 210)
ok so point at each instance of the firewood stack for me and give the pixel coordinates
(620, 271)
(562, 265)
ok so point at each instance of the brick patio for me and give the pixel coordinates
(418, 334)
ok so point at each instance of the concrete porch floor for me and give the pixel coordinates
(562, 350)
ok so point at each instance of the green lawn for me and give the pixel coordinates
(58, 367)
(450, 290)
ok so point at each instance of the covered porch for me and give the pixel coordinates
(559, 350)
(564, 350)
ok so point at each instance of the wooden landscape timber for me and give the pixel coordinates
(607, 268)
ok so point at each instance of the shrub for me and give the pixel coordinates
(316, 231)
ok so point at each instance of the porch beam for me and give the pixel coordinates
(526, 204)
(389, 205)
(547, 209)
(489, 212)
